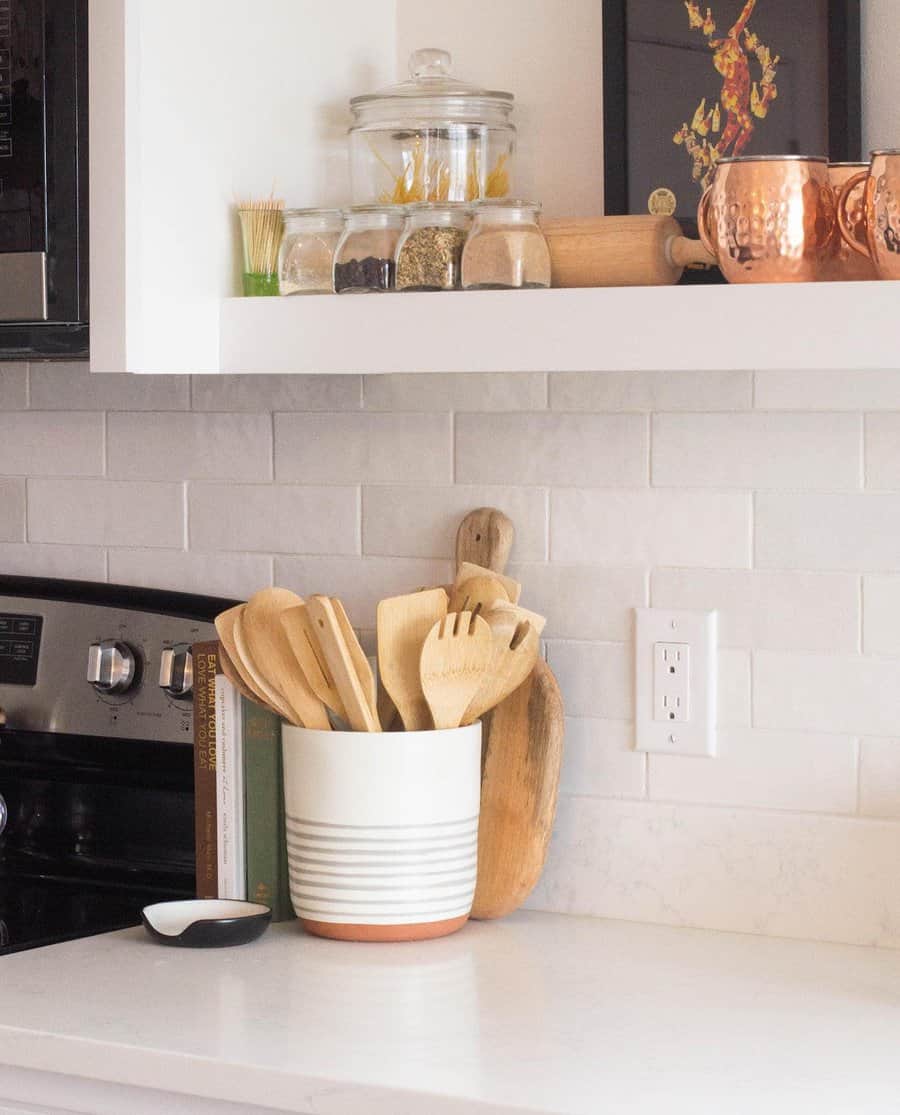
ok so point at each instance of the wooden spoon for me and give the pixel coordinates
(225, 629)
(456, 654)
(260, 682)
(301, 634)
(403, 623)
(467, 572)
(477, 590)
(271, 655)
(360, 715)
(485, 538)
(523, 740)
(515, 614)
(514, 655)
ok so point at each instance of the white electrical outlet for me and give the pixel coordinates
(675, 681)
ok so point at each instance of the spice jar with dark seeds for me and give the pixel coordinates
(506, 249)
(364, 257)
(429, 254)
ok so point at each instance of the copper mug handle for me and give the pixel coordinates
(847, 234)
(703, 223)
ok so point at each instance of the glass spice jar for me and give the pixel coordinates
(506, 249)
(364, 257)
(429, 254)
(306, 260)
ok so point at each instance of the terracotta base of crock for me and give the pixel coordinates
(422, 931)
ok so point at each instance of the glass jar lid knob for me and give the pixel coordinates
(430, 62)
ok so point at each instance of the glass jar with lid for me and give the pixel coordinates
(431, 138)
(429, 253)
(506, 249)
(306, 259)
(364, 257)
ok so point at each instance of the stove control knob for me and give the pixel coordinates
(176, 672)
(111, 666)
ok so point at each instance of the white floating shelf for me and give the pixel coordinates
(814, 326)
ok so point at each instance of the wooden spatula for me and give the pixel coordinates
(225, 625)
(260, 683)
(360, 715)
(301, 634)
(485, 538)
(522, 754)
(233, 674)
(477, 590)
(468, 572)
(455, 656)
(403, 623)
(357, 657)
(515, 614)
(271, 655)
(515, 651)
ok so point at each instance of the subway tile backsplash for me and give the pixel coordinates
(774, 497)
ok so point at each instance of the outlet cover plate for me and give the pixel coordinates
(657, 633)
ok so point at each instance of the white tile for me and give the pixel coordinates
(106, 512)
(360, 582)
(235, 576)
(158, 446)
(581, 449)
(651, 527)
(474, 391)
(826, 693)
(273, 518)
(881, 615)
(780, 451)
(813, 531)
(777, 874)
(734, 704)
(409, 521)
(86, 563)
(765, 770)
(276, 392)
(768, 610)
(71, 386)
(13, 386)
(12, 510)
(596, 679)
(51, 443)
(363, 448)
(582, 601)
(647, 391)
(883, 451)
(599, 760)
(828, 390)
(879, 778)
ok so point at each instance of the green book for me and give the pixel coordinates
(266, 849)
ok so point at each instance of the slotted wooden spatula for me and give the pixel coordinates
(515, 651)
(360, 715)
(477, 590)
(301, 634)
(468, 572)
(523, 740)
(456, 654)
(403, 623)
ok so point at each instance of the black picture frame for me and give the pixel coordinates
(844, 93)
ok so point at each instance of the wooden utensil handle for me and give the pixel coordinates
(684, 252)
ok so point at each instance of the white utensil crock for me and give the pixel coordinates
(382, 830)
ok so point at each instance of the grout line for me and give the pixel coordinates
(185, 524)
(105, 439)
(28, 386)
(272, 447)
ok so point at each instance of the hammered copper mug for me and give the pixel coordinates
(770, 218)
(847, 266)
(880, 220)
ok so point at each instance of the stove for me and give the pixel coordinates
(96, 755)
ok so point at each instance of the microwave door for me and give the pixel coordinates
(23, 161)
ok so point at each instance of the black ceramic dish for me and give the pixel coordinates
(206, 923)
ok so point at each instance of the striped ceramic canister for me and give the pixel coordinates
(382, 830)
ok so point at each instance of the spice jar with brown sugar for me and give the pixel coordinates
(506, 249)
(429, 254)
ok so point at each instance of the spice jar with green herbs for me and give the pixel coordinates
(429, 254)
(364, 257)
(506, 249)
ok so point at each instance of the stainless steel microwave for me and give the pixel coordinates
(43, 179)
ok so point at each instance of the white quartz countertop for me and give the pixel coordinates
(537, 1013)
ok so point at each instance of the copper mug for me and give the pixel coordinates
(880, 218)
(770, 218)
(846, 265)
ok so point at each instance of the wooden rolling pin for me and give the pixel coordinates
(620, 251)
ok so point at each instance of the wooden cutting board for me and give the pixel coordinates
(521, 758)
